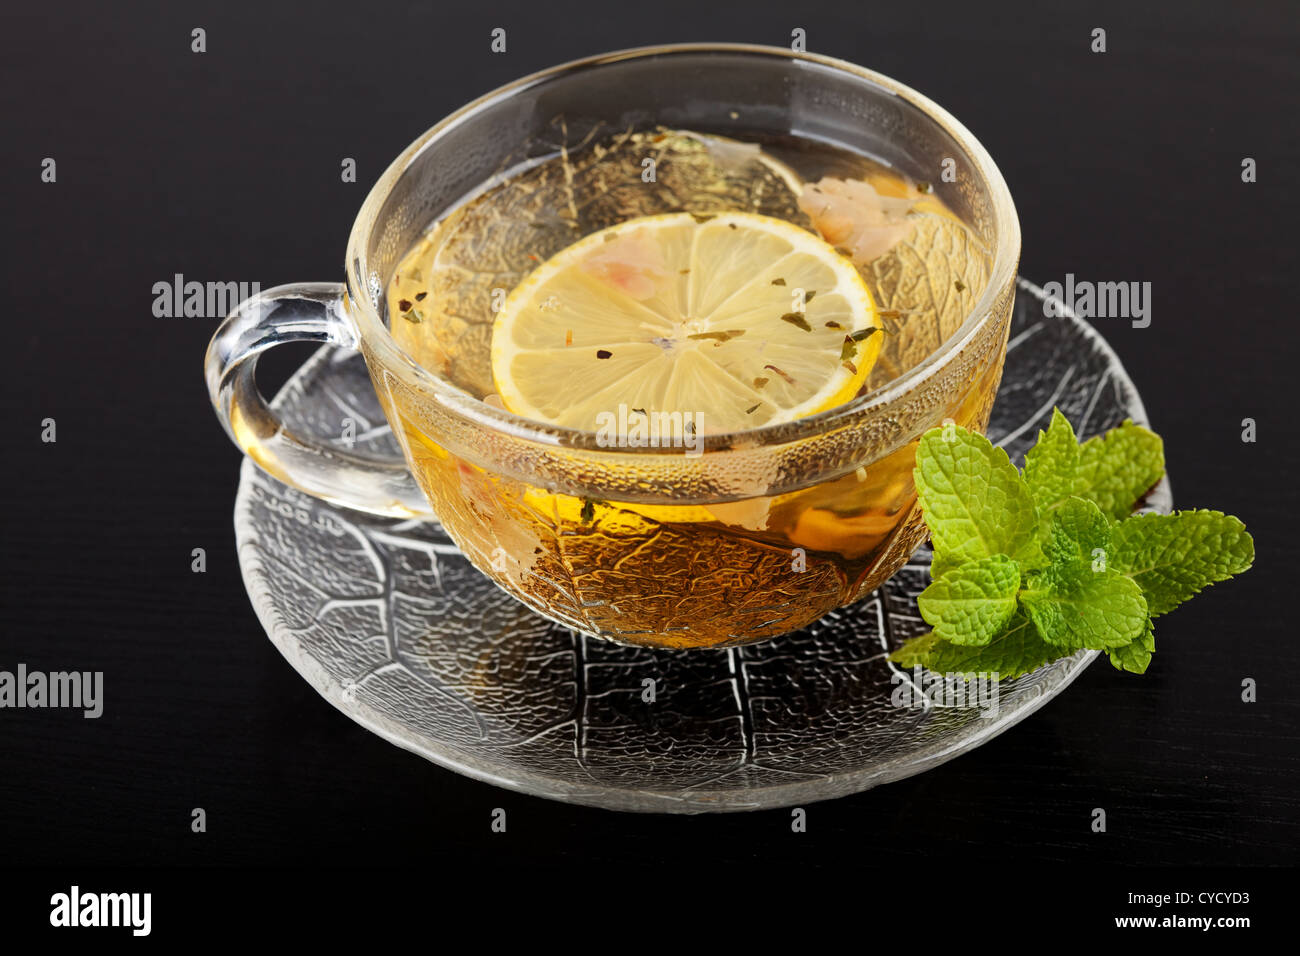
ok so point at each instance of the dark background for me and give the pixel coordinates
(225, 166)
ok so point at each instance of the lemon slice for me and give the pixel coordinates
(733, 320)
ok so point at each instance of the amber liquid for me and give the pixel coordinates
(707, 574)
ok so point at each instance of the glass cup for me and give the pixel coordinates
(759, 533)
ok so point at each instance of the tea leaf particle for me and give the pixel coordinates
(785, 375)
(719, 337)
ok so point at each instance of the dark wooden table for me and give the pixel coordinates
(1125, 165)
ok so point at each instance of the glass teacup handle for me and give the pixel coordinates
(301, 312)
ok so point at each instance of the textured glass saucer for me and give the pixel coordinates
(394, 627)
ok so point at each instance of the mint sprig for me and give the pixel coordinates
(1034, 566)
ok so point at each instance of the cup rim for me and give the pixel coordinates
(378, 338)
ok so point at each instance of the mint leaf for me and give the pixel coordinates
(1052, 465)
(975, 502)
(917, 651)
(972, 603)
(941, 564)
(1078, 536)
(1097, 611)
(1172, 557)
(1135, 656)
(1076, 601)
(1114, 470)
(1118, 468)
(1017, 650)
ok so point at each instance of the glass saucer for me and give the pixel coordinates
(390, 623)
